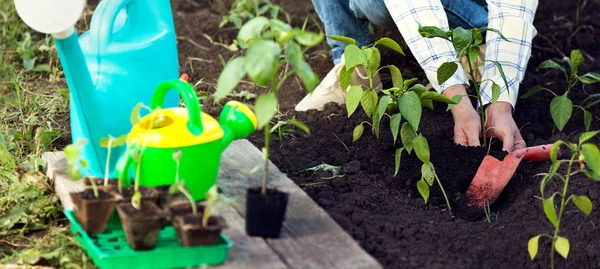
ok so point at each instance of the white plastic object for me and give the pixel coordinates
(56, 17)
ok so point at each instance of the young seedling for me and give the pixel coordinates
(264, 40)
(179, 187)
(561, 107)
(466, 43)
(402, 101)
(176, 157)
(243, 10)
(283, 130)
(211, 197)
(585, 159)
(74, 161)
(110, 142)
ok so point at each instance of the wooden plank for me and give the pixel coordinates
(310, 238)
(247, 252)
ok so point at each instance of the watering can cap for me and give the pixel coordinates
(50, 16)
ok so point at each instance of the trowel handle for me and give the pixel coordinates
(536, 153)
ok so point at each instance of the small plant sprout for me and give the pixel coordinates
(561, 107)
(110, 142)
(466, 43)
(585, 159)
(243, 10)
(282, 130)
(179, 187)
(74, 161)
(177, 157)
(264, 41)
(211, 197)
(403, 101)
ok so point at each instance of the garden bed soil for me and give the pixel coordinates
(386, 214)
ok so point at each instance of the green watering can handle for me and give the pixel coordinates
(188, 94)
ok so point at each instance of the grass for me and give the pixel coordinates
(33, 119)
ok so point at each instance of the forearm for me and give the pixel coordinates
(429, 52)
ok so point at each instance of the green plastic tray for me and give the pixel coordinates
(110, 249)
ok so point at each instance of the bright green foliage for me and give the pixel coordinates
(243, 10)
(584, 158)
(74, 162)
(402, 101)
(561, 107)
(269, 44)
(466, 44)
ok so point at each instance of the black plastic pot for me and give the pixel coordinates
(265, 212)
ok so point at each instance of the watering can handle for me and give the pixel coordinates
(101, 30)
(190, 99)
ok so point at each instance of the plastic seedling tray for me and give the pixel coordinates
(110, 249)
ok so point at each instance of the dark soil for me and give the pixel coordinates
(147, 193)
(386, 214)
(89, 195)
(213, 222)
(148, 210)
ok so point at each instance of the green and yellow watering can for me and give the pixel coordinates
(197, 135)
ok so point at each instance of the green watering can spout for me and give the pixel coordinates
(237, 122)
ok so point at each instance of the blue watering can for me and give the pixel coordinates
(128, 50)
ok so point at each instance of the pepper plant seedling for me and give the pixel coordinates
(585, 159)
(243, 10)
(561, 107)
(74, 161)
(263, 41)
(179, 187)
(403, 101)
(110, 142)
(466, 43)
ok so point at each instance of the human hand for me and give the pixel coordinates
(500, 124)
(467, 123)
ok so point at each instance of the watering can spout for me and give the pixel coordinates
(237, 121)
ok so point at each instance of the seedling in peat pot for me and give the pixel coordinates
(74, 162)
(561, 107)
(466, 43)
(179, 187)
(403, 101)
(585, 159)
(110, 142)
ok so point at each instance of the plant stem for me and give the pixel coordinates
(562, 206)
(206, 215)
(266, 159)
(177, 171)
(107, 163)
(443, 192)
(190, 199)
(94, 187)
(476, 85)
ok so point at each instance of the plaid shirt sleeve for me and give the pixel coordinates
(429, 52)
(513, 18)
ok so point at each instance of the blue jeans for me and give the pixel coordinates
(351, 18)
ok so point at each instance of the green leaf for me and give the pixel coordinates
(419, 89)
(119, 141)
(74, 172)
(535, 90)
(587, 136)
(265, 108)
(374, 62)
(334, 170)
(233, 72)
(382, 105)
(395, 125)
(354, 56)
(554, 150)
(261, 59)
(587, 119)
(376, 123)
(397, 156)
(344, 39)
(71, 153)
(410, 108)
(474, 56)
(428, 103)
(562, 246)
(421, 148)
(134, 117)
(396, 76)
(390, 43)
(461, 39)
(437, 97)
(345, 77)
(369, 102)
(497, 32)
(550, 211)
(456, 99)
(353, 99)
(589, 78)
(576, 61)
(550, 64)
(423, 189)
(357, 133)
(105, 141)
(532, 246)
(407, 134)
(308, 39)
(446, 71)
(432, 31)
(561, 109)
(251, 29)
(302, 69)
(477, 36)
(501, 70)
(495, 92)
(583, 203)
(299, 125)
(427, 173)
(591, 155)
(548, 177)
(409, 82)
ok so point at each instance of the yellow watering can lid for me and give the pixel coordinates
(169, 129)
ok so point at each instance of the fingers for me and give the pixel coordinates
(468, 137)
(460, 137)
(473, 137)
(519, 141)
(508, 141)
